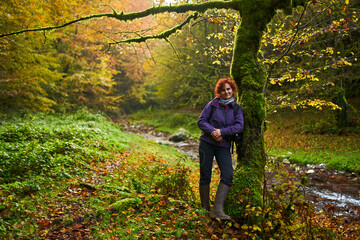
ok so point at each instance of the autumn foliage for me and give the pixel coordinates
(68, 68)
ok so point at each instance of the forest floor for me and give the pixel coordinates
(332, 191)
(101, 183)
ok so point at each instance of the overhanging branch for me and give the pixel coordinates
(39, 29)
(202, 7)
(163, 35)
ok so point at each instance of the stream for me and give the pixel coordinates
(334, 192)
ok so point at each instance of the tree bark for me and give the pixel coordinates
(250, 78)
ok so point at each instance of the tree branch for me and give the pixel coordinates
(291, 44)
(202, 7)
(163, 35)
(176, 53)
(60, 26)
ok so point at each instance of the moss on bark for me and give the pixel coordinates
(251, 77)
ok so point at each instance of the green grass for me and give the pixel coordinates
(169, 120)
(44, 145)
(57, 168)
(311, 138)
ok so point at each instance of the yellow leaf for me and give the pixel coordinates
(347, 2)
(45, 233)
(244, 226)
(256, 228)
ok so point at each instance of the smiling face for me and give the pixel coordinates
(226, 92)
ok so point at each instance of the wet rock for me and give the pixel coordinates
(182, 144)
(286, 161)
(180, 135)
(320, 166)
(165, 142)
(310, 171)
(310, 166)
(295, 168)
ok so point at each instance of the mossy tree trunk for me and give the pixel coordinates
(251, 77)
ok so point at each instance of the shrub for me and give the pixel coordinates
(176, 184)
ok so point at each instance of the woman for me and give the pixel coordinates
(220, 119)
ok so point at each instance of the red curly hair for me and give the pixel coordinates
(221, 83)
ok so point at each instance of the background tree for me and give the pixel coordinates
(66, 69)
(309, 55)
(184, 74)
(303, 55)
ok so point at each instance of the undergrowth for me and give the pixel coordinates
(96, 182)
(46, 146)
(310, 138)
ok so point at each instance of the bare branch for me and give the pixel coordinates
(177, 54)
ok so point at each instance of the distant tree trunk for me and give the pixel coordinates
(342, 115)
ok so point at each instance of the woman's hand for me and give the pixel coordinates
(218, 139)
(216, 134)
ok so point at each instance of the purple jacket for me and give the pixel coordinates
(228, 126)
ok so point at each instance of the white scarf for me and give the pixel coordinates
(224, 102)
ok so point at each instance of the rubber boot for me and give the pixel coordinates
(220, 197)
(204, 196)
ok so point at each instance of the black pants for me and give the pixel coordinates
(207, 152)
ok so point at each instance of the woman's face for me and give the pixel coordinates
(226, 92)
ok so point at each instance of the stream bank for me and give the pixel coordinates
(335, 192)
